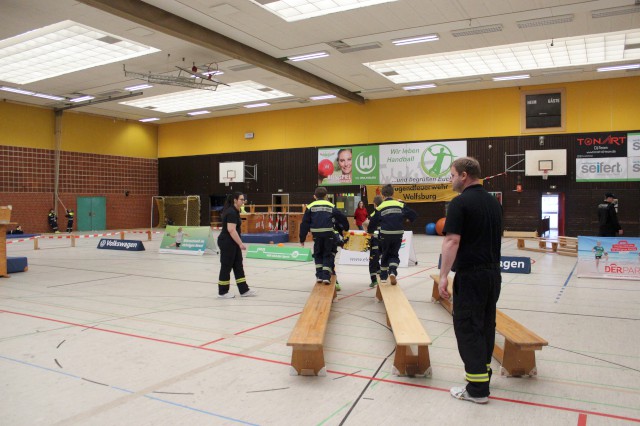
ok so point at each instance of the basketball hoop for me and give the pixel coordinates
(227, 181)
(545, 174)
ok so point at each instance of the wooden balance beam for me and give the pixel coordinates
(518, 357)
(407, 331)
(307, 337)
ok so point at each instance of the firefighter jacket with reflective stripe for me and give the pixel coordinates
(389, 217)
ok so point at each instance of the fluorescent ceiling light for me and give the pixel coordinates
(615, 11)
(30, 93)
(485, 29)
(308, 56)
(417, 39)
(512, 58)
(359, 47)
(419, 86)
(511, 77)
(620, 67)
(548, 20)
(262, 104)
(296, 10)
(563, 71)
(138, 87)
(147, 120)
(463, 81)
(60, 49)
(18, 91)
(187, 100)
(199, 112)
(321, 97)
(52, 97)
(82, 98)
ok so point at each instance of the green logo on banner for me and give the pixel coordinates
(273, 252)
(365, 165)
(436, 160)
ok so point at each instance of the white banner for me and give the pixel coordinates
(407, 254)
(423, 162)
(601, 169)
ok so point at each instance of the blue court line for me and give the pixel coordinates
(565, 283)
(131, 392)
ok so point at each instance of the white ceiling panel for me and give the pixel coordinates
(259, 33)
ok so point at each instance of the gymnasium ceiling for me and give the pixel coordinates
(250, 45)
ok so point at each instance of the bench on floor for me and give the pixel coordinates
(566, 246)
(518, 356)
(307, 337)
(407, 331)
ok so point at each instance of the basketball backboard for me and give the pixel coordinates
(232, 172)
(551, 161)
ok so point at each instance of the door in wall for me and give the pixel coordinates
(92, 213)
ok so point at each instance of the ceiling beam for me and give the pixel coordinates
(173, 25)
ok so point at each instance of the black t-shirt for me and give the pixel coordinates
(230, 215)
(476, 216)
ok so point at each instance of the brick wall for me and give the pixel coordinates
(27, 183)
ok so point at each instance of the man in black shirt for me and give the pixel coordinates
(608, 217)
(473, 234)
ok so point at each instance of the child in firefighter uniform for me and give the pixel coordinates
(53, 221)
(70, 215)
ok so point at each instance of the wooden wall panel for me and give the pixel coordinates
(294, 171)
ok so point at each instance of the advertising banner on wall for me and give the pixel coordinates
(609, 257)
(416, 193)
(608, 157)
(410, 163)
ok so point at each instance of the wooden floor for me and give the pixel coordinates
(99, 337)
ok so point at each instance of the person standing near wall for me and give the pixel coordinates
(608, 217)
(360, 215)
(231, 247)
(473, 235)
(53, 221)
(70, 215)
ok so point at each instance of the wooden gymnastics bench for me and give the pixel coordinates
(518, 355)
(566, 246)
(307, 337)
(407, 331)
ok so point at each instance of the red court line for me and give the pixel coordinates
(266, 323)
(211, 342)
(152, 339)
(340, 373)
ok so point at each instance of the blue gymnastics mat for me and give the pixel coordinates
(9, 236)
(266, 237)
(16, 264)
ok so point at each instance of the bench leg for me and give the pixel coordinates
(515, 361)
(435, 297)
(379, 295)
(406, 363)
(307, 362)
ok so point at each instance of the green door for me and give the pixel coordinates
(92, 213)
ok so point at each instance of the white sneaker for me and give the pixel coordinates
(249, 293)
(461, 393)
(226, 296)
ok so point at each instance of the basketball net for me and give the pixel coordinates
(545, 174)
